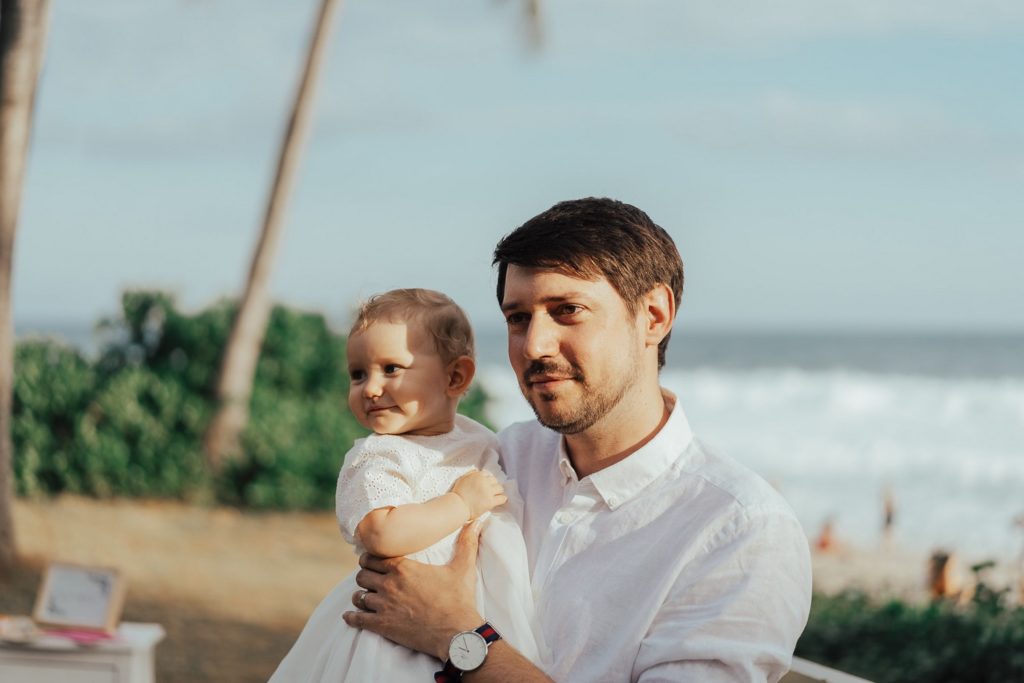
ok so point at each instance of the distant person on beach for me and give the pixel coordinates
(652, 557)
(888, 516)
(945, 580)
(826, 540)
(1018, 523)
(411, 486)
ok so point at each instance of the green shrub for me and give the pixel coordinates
(892, 641)
(141, 437)
(53, 385)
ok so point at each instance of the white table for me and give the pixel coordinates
(128, 658)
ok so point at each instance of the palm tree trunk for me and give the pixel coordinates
(534, 26)
(22, 43)
(234, 385)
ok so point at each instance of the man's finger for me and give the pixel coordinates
(466, 545)
(365, 620)
(369, 600)
(361, 600)
(370, 580)
(381, 565)
(358, 619)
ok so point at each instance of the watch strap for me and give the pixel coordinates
(453, 674)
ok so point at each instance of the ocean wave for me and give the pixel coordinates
(950, 449)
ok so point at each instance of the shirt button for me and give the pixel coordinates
(613, 501)
(564, 517)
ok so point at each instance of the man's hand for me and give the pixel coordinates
(420, 606)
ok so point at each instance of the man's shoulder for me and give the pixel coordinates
(524, 438)
(527, 432)
(730, 486)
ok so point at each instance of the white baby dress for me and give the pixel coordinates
(386, 470)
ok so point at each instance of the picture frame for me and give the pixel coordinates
(80, 597)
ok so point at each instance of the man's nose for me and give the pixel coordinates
(541, 339)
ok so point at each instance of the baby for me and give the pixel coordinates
(409, 488)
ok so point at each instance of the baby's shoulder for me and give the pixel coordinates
(383, 450)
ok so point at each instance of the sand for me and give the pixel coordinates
(898, 571)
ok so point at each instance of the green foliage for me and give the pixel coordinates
(53, 386)
(140, 437)
(131, 424)
(940, 642)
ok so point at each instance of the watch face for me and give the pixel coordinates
(467, 650)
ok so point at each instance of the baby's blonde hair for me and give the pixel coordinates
(439, 315)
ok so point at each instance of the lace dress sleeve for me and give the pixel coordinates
(378, 472)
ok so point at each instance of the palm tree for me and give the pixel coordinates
(238, 369)
(22, 42)
(534, 25)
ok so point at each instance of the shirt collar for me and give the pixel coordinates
(625, 479)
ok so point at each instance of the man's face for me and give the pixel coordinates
(575, 348)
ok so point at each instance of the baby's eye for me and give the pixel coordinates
(392, 368)
(356, 375)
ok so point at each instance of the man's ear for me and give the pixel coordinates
(658, 309)
(460, 376)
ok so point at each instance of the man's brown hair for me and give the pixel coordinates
(441, 317)
(593, 238)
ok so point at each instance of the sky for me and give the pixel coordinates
(822, 165)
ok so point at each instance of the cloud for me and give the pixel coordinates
(827, 18)
(804, 125)
(747, 23)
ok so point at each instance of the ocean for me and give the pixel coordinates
(833, 420)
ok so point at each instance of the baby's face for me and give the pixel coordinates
(399, 383)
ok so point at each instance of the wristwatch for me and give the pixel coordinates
(466, 652)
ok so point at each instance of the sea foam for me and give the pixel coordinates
(951, 449)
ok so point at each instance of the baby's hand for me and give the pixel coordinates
(480, 491)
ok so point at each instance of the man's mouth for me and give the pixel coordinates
(544, 381)
(548, 380)
(544, 375)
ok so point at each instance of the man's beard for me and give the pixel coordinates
(594, 402)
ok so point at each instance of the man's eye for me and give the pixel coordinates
(515, 318)
(569, 309)
(357, 375)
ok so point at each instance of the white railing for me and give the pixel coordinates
(804, 671)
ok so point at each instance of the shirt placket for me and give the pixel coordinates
(566, 524)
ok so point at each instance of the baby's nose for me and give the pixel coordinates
(372, 388)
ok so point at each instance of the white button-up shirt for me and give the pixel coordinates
(674, 564)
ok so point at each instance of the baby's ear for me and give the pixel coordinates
(460, 376)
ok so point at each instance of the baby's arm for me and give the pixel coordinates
(395, 531)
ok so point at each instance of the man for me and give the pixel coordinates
(652, 558)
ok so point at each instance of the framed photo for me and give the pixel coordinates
(75, 596)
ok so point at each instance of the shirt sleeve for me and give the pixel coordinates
(378, 473)
(735, 613)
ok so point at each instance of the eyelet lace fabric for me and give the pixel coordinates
(385, 470)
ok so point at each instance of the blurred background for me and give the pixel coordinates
(843, 180)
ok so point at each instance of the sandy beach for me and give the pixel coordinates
(894, 571)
